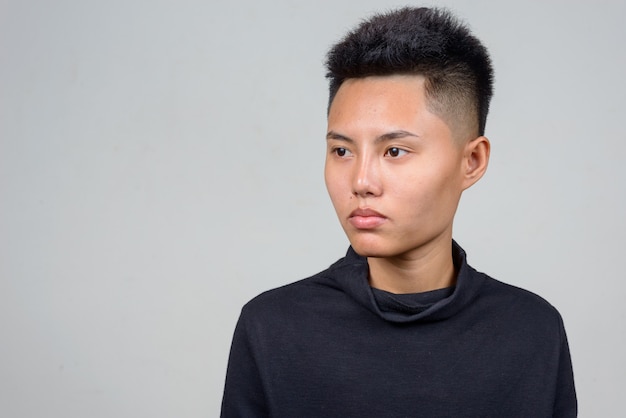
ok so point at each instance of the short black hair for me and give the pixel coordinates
(429, 42)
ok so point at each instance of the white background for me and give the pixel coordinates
(161, 164)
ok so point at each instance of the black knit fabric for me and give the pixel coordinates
(331, 346)
(409, 304)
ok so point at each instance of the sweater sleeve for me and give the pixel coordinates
(565, 405)
(243, 392)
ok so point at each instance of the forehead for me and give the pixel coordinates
(371, 108)
(378, 91)
(397, 101)
(401, 86)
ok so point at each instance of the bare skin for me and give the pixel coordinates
(395, 173)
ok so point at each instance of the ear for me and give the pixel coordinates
(475, 160)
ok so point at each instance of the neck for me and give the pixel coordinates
(429, 269)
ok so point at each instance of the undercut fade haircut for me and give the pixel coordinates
(429, 42)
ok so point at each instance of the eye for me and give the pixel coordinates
(395, 152)
(341, 152)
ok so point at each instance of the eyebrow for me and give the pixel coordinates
(384, 137)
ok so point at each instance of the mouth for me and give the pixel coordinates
(366, 218)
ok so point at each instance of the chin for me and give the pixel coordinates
(377, 246)
(371, 248)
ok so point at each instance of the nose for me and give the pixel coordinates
(366, 178)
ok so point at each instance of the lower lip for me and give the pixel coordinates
(366, 222)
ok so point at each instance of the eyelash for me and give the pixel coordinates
(396, 149)
(339, 150)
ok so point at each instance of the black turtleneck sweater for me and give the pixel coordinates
(331, 346)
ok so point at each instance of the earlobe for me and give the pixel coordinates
(476, 159)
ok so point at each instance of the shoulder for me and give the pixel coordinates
(304, 294)
(321, 291)
(288, 292)
(516, 295)
(519, 305)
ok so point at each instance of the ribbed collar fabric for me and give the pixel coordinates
(350, 274)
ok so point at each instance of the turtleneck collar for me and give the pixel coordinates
(351, 275)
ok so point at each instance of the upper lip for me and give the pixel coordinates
(365, 212)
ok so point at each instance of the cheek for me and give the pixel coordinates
(430, 189)
(328, 177)
(334, 185)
